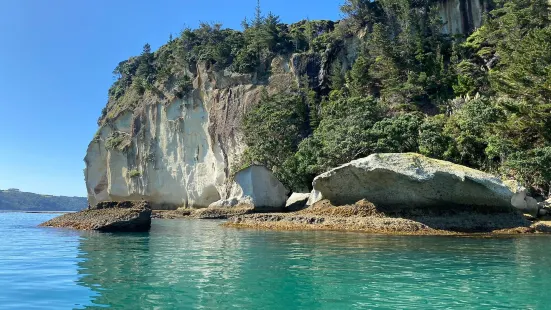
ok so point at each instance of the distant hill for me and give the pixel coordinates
(14, 199)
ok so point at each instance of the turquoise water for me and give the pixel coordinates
(192, 264)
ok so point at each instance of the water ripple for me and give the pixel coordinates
(189, 264)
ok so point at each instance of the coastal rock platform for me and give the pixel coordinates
(109, 217)
(364, 216)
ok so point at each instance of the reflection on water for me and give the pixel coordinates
(187, 264)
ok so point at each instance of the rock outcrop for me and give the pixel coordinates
(107, 217)
(365, 217)
(256, 187)
(297, 201)
(463, 16)
(414, 181)
(178, 152)
(176, 149)
(315, 196)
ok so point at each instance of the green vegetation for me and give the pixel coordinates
(277, 123)
(118, 141)
(15, 200)
(134, 173)
(481, 100)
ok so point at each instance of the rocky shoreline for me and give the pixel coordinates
(365, 217)
(382, 193)
(107, 217)
(362, 216)
(203, 214)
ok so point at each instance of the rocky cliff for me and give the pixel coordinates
(179, 148)
(463, 16)
(180, 152)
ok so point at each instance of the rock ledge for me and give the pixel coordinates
(112, 217)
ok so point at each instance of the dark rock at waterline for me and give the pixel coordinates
(122, 205)
(110, 217)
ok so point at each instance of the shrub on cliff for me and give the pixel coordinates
(274, 128)
(119, 141)
(533, 167)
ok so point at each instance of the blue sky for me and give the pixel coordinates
(56, 59)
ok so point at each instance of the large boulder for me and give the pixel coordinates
(108, 217)
(414, 181)
(257, 187)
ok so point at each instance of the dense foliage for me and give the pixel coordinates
(15, 200)
(481, 100)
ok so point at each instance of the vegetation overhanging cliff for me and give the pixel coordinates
(310, 96)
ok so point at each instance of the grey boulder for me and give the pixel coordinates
(408, 180)
(256, 187)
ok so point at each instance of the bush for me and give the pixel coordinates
(433, 142)
(470, 127)
(398, 134)
(134, 173)
(183, 87)
(532, 167)
(344, 130)
(274, 128)
(118, 140)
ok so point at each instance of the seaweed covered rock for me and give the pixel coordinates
(124, 216)
(414, 181)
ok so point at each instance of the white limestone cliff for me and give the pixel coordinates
(462, 16)
(179, 152)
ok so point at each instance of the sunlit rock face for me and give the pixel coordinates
(462, 16)
(177, 152)
(409, 180)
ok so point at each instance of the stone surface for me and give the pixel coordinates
(543, 227)
(233, 202)
(297, 201)
(366, 217)
(524, 203)
(315, 196)
(255, 187)
(414, 181)
(178, 151)
(462, 16)
(220, 213)
(130, 217)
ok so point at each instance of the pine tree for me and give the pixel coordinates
(258, 19)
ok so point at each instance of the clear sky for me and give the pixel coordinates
(56, 59)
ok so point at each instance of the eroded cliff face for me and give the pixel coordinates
(180, 152)
(463, 16)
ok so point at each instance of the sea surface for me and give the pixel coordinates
(194, 264)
